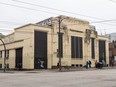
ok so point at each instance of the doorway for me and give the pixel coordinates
(40, 50)
(18, 58)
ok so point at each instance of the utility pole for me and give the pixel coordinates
(60, 19)
(59, 42)
(4, 55)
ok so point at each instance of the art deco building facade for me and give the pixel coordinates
(35, 46)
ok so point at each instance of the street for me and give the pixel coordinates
(92, 78)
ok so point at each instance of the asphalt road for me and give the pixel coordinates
(92, 78)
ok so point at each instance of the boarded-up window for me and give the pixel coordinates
(76, 47)
(92, 48)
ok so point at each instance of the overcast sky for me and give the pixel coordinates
(91, 10)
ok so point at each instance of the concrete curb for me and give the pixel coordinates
(55, 70)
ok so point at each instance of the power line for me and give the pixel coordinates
(50, 12)
(56, 9)
(6, 30)
(103, 21)
(16, 23)
(107, 28)
(60, 10)
(28, 8)
(99, 22)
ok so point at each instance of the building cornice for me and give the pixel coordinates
(32, 25)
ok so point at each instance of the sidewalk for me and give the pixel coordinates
(55, 70)
(84, 69)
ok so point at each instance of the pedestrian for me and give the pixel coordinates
(96, 64)
(89, 64)
(58, 65)
(19, 66)
(86, 64)
(103, 62)
(112, 63)
(42, 64)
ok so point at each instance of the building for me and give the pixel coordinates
(112, 37)
(112, 52)
(35, 46)
(112, 47)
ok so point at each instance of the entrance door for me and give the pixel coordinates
(40, 60)
(18, 58)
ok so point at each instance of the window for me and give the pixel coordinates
(102, 50)
(7, 53)
(92, 48)
(76, 47)
(0, 54)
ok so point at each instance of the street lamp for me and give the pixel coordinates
(60, 19)
(4, 54)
